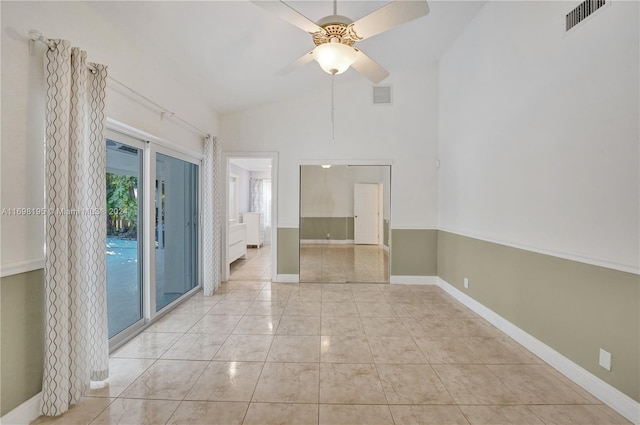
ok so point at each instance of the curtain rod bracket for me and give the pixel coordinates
(35, 35)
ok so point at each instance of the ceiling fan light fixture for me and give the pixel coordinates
(334, 57)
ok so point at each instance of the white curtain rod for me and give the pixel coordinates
(37, 36)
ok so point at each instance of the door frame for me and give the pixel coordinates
(226, 157)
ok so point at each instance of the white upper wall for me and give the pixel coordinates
(22, 160)
(405, 132)
(539, 136)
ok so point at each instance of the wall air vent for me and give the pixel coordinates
(580, 13)
(381, 95)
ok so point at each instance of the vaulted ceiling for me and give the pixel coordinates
(229, 51)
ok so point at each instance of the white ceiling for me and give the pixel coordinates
(229, 51)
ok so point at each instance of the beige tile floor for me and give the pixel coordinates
(344, 263)
(255, 266)
(267, 353)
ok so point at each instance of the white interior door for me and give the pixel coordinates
(365, 211)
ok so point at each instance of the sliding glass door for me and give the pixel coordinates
(176, 228)
(124, 186)
(153, 241)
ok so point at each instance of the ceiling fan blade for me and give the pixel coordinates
(367, 67)
(388, 16)
(289, 14)
(303, 60)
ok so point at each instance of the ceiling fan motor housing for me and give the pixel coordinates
(336, 28)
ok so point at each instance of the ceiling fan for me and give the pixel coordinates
(335, 35)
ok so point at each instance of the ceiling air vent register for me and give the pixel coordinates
(580, 13)
(381, 95)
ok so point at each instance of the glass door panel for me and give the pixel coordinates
(176, 229)
(124, 236)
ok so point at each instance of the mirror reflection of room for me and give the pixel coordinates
(344, 223)
(249, 240)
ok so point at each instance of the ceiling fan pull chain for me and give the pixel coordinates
(333, 123)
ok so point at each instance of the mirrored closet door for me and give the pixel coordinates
(344, 223)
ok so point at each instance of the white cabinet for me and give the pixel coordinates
(255, 228)
(237, 245)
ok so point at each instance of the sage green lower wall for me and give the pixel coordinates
(288, 250)
(414, 252)
(21, 338)
(338, 228)
(574, 308)
(385, 232)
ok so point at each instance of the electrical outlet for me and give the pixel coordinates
(605, 359)
(466, 282)
(328, 235)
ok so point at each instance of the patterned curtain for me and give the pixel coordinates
(76, 338)
(255, 190)
(212, 215)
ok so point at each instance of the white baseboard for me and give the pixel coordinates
(288, 278)
(414, 280)
(326, 241)
(24, 414)
(614, 398)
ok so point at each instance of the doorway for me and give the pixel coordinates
(251, 234)
(344, 223)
